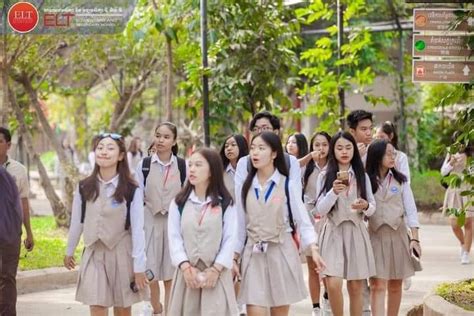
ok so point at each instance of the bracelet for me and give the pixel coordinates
(236, 261)
(416, 240)
(179, 265)
(215, 269)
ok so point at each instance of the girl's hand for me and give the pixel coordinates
(360, 205)
(235, 271)
(338, 186)
(415, 245)
(318, 261)
(69, 262)
(140, 280)
(189, 274)
(211, 278)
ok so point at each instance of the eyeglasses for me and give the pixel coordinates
(114, 136)
(262, 129)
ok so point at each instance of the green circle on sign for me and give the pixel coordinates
(420, 45)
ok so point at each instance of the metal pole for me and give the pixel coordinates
(340, 35)
(205, 79)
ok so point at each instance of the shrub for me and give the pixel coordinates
(458, 293)
(427, 189)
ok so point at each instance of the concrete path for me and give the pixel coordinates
(440, 263)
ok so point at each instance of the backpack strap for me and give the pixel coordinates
(224, 205)
(129, 199)
(83, 202)
(290, 213)
(182, 169)
(146, 163)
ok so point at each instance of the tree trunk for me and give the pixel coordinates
(169, 80)
(61, 214)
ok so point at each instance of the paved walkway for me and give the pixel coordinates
(440, 263)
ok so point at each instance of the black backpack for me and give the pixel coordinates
(181, 167)
(128, 199)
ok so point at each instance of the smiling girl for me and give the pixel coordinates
(111, 221)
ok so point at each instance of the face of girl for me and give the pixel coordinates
(388, 160)
(379, 134)
(108, 153)
(343, 151)
(261, 153)
(231, 149)
(321, 145)
(199, 170)
(164, 139)
(292, 146)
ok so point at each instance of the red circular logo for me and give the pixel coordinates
(23, 17)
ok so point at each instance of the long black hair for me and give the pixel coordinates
(301, 143)
(272, 140)
(216, 189)
(356, 163)
(241, 143)
(375, 155)
(311, 164)
(389, 128)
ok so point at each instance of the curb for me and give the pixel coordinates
(432, 218)
(435, 305)
(45, 279)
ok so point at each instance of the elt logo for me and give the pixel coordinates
(23, 17)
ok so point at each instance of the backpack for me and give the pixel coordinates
(287, 160)
(128, 199)
(181, 167)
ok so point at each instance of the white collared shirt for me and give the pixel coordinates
(300, 216)
(154, 159)
(175, 236)
(136, 223)
(230, 170)
(326, 201)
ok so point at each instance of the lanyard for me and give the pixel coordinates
(269, 191)
(349, 185)
(166, 175)
(203, 212)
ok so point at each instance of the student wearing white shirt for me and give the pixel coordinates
(202, 233)
(234, 148)
(345, 196)
(360, 126)
(388, 232)
(108, 211)
(272, 278)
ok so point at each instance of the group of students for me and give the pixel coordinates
(226, 230)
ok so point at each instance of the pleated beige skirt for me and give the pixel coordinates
(218, 301)
(392, 252)
(105, 276)
(347, 251)
(274, 278)
(158, 257)
(453, 199)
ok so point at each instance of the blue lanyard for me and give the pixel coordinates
(269, 191)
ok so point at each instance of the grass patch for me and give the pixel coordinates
(428, 192)
(458, 293)
(50, 245)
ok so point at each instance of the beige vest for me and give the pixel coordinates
(266, 220)
(201, 242)
(105, 220)
(158, 195)
(389, 206)
(460, 164)
(342, 208)
(229, 184)
(310, 190)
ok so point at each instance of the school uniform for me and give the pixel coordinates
(112, 254)
(310, 198)
(344, 240)
(388, 232)
(229, 175)
(272, 277)
(162, 185)
(202, 235)
(453, 197)
(401, 164)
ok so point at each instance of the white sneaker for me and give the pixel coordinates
(316, 311)
(243, 309)
(406, 284)
(325, 308)
(147, 310)
(465, 258)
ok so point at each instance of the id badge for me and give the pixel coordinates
(260, 247)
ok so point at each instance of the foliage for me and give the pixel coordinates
(428, 192)
(49, 160)
(50, 245)
(459, 293)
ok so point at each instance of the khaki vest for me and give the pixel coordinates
(310, 190)
(105, 220)
(389, 207)
(157, 196)
(201, 242)
(229, 184)
(266, 220)
(342, 208)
